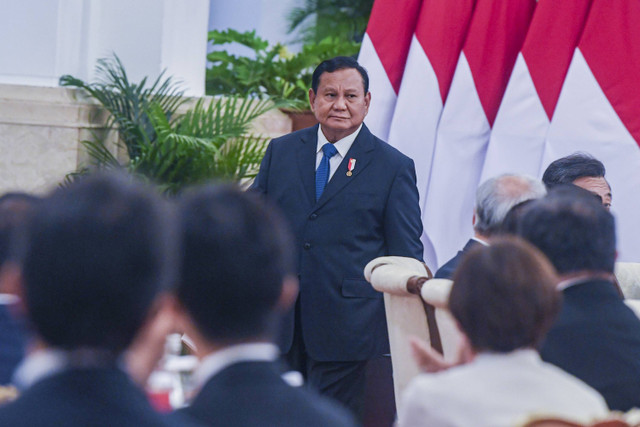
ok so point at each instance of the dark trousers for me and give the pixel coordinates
(365, 387)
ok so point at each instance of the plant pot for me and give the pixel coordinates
(300, 119)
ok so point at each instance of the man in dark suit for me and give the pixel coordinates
(349, 198)
(236, 282)
(95, 260)
(494, 199)
(596, 337)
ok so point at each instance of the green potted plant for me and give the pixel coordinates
(211, 140)
(273, 72)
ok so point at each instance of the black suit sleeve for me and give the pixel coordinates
(402, 221)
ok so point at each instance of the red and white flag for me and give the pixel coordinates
(599, 110)
(435, 48)
(519, 132)
(383, 54)
(496, 33)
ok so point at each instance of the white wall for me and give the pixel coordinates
(44, 39)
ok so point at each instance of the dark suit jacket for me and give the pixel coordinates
(84, 397)
(596, 337)
(12, 344)
(447, 270)
(374, 212)
(252, 394)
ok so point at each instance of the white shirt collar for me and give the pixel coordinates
(480, 241)
(46, 362)
(219, 360)
(342, 145)
(37, 366)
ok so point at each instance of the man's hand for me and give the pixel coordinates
(431, 361)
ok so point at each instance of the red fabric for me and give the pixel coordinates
(390, 29)
(441, 30)
(551, 41)
(497, 32)
(611, 46)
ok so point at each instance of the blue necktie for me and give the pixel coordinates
(322, 173)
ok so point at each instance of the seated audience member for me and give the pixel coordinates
(494, 198)
(236, 281)
(14, 209)
(96, 258)
(504, 300)
(596, 337)
(582, 170)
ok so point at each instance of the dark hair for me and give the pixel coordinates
(236, 253)
(504, 296)
(512, 220)
(572, 229)
(335, 64)
(14, 212)
(567, 169)
(97, 255)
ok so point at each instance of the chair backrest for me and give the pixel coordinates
(400, 279)
(436, 293)
(628, 277)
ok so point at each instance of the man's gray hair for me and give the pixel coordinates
(497, 195)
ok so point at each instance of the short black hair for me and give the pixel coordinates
(504, 295)
(572, 229)
(236, 252)
(15, 209)
(97, 255)
(335, 64)
(567, 169)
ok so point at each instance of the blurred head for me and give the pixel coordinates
(339, 96)
(496, 196)
(15, 209)
(582, 170)
(572, 229)
(504, 296)
(236, 255)
(97, 255)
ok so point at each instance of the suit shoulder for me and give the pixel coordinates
(298, 135)
(390, 152)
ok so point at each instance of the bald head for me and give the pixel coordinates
(497, 195)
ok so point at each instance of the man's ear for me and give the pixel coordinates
(367, 102)
(288, 294)
(473, 219)
(312, 98)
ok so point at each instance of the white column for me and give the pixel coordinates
(44, 39)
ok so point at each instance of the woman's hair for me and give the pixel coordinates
(504, 296)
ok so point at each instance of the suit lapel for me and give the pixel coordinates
(361, 150)
(306, 158)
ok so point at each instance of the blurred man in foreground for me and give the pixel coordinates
(596, 336)
(96, 259)
(236, 283)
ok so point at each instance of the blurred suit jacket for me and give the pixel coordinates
(596, 337)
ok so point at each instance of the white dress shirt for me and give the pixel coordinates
(497, 390)
(341, 145)
(219, 360)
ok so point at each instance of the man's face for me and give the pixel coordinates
(340, 104)
(597, 185)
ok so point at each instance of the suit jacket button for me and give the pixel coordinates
(313, 216)
(307, 245)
